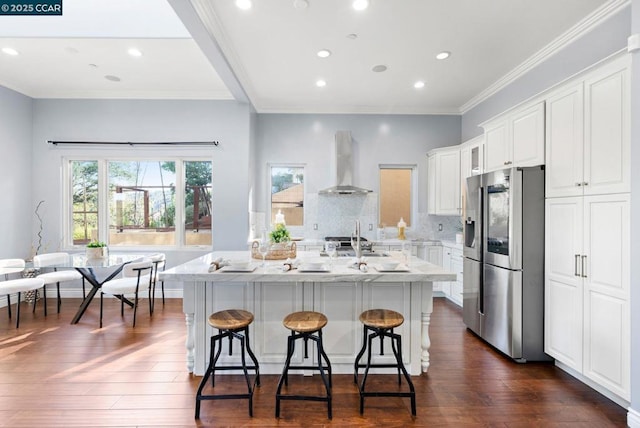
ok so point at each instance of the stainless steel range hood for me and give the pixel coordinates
(344, 168)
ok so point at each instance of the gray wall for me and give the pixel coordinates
(602, 41)
(15, 175)
(138, 120)
(377, 139)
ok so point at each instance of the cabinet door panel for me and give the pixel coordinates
(607, 138)
(563, 284)
(607, 244)
(564, 143)
(563, 239)
(563, 322)
(527, 132)
(341, 303)
(431, 184)
(495, 149)
(277, 300)
(606, 342)
(448, 183)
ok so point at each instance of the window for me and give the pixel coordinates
(287, 194)
(395, 195)
(137, 202)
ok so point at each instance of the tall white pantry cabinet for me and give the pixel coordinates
(587, 249)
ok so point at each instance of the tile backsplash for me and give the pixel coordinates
(335, 215)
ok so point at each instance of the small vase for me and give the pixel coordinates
(97, 252)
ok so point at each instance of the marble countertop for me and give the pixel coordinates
(198, 270)
(414, 241)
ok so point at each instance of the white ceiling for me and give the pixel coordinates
(270, 51)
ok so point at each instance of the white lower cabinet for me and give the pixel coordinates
(452, 261)
(587, 287)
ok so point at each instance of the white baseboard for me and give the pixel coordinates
(602, 390)
(633, 418)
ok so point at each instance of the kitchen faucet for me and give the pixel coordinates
(356, 245)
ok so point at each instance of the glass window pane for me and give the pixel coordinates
(287, 194)
(84, 183)
(395, 196)
(141, 203)
(197, 203)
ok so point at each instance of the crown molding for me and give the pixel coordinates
(584, 26)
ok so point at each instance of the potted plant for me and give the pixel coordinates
(279, 235)
(97, 250)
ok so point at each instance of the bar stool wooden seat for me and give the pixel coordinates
(231, 323)
(379, 323)
(306, 325)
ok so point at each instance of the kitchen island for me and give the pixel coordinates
(341, 293)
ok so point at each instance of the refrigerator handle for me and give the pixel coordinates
(575, 265)
(584, 259)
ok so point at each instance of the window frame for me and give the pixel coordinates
(270, 166)
(413, 208)
(103, 195)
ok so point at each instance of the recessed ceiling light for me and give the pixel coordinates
(321, 83)
(324, 53)
(112, 78)
(443, 55)
(300, 4)
(379, 68)
(244, 4)
(93, 65)
(134, 52)
(10, 51)
(352, 36)
(360, 4)
(419, 84)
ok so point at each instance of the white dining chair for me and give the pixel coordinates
(136, 277)
(49, 260)
(17, 286)
(159, 262)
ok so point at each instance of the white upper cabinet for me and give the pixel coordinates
(444, 181)
(516, 139)
(564, 154)
(587, 129)
(471, 157)
(607, 131)
(527, 136)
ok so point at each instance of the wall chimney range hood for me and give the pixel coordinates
(344, 168)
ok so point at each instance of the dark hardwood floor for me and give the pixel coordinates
(53, 374)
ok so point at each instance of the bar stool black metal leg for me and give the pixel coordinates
(360, 354)
(327, 382)
(252, 356)
(285, 371)
(395, 352)
(412, 393)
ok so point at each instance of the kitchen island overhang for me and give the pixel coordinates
(341, 293)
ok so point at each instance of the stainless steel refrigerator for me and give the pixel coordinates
(503, 296)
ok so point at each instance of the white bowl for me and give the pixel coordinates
(239, 264)
(389, 265)
(313, 265)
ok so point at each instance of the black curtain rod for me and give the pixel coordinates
(129, 143)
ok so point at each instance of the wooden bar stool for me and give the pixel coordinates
(380, 323)
(232, 323)
(305, 325)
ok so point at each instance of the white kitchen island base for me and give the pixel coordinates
(341, 295)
